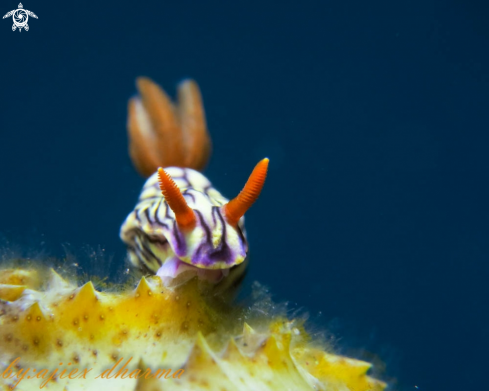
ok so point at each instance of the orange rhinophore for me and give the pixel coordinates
(237, 207)
(184, 215)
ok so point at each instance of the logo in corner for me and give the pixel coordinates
(20, 17)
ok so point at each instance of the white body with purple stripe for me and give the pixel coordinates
(156, 245)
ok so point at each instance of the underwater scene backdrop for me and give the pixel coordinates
(373, 220)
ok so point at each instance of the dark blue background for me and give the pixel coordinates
(375, 118)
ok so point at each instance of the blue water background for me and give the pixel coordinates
(375, 118)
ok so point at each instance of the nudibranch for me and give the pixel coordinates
(181, 226)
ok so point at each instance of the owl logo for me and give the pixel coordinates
(20, 17)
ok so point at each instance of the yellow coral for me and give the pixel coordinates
(169, 339)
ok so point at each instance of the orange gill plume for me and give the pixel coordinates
(165, 134)
(237, 207)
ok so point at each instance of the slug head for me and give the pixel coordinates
(208, 234)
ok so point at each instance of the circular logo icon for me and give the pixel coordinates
(20, 18)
